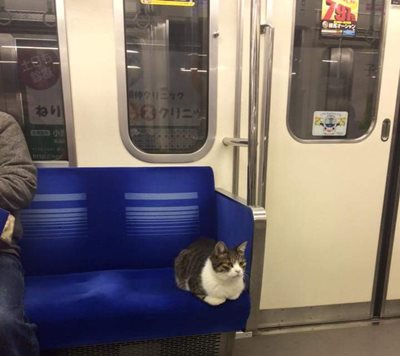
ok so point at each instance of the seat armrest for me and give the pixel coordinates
(237, 222)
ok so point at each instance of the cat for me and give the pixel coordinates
(211, 271)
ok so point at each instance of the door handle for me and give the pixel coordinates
(385, 130)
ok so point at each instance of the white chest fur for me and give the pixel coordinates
(216, 287)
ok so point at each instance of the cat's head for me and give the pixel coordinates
(229, 263)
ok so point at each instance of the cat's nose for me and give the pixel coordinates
(238, 271)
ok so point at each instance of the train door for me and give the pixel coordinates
(334, 85)
(388, 299)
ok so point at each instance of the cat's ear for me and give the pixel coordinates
(242, 247)
(220, 248)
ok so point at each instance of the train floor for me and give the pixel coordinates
(357, 339)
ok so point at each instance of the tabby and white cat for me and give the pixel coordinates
(211, 271)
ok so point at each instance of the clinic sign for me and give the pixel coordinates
(186, 3)
(339, 18)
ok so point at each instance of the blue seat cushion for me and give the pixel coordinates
(122, 305)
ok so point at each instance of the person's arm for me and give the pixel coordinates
(17, 171)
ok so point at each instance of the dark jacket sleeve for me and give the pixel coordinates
(17, 171)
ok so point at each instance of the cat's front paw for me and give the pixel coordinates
(234, 297)
(214, 301)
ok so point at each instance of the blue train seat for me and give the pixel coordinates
(99, 247)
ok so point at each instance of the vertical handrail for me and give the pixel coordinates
(253, 101)
(238, 95)
(265, 114)
(256, 168)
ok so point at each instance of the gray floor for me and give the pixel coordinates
(349, 340)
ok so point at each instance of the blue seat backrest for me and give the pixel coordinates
(86, 219)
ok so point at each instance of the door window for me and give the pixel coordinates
(335, 69)
(167, 76)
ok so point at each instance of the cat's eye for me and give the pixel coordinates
(242, 264)
(226, 266)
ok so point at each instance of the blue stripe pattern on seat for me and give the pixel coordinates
(161, 196)
(173, 217)
(60, 197)
(51, 216)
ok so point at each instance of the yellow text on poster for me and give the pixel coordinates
(185, 3)
(340, 11)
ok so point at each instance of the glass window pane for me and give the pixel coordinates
(335, 70)
(30, 76)
(167, 75)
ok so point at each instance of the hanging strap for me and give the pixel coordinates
(50, 12)
(50, 7)
(3, 11)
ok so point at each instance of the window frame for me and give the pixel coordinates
(119, 25)
(380, 70)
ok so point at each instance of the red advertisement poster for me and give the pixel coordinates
(339, 18)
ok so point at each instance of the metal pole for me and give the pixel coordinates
(264, 129)
(253, 101)
(238, 95)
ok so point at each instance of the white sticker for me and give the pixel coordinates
(330, 123)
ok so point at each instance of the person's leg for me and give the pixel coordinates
(17, 336)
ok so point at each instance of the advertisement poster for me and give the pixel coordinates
(40, 77)
(168, 2)
(339, 18)
(330, 123)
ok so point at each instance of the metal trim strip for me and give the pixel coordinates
(388, 221)
(238, 93)
(314, 315)
(255, 33)
(66, 87)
